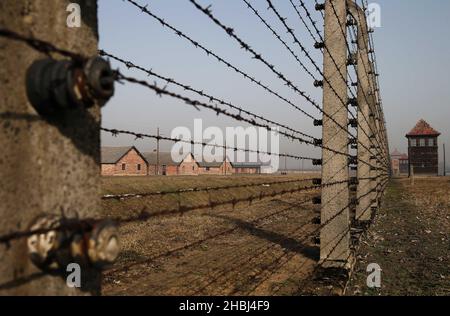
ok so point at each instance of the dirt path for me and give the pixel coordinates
(410, 240)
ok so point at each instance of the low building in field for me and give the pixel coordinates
(129, 161)
(216, 168)
(404, 164)
(399, 163)
(246, 168)
(122, 161)
(169, 167)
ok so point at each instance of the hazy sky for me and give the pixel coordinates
(413, 53)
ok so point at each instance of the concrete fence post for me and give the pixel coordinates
(374, 175)
(48, 165)
(377, 138)
(363, 208)
(335, 236)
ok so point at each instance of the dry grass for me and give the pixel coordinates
(410, 240)
(256, 248)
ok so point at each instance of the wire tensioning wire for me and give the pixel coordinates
(278, 37)
(197, 104)
(116, 132)
(302, 4)
(209, 52)
(87, 224)
(374, 82)
(386, 163)
(126, 196)
(230, 32)
(263, 249)
(179, 33)
(40, 45)
(267, 248)
(303, 20)
(344, 104)
(211, 98)
(200, 241)
(259, 57)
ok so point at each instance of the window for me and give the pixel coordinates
(193, 168)
(123, 166)
(139, 167)
(422, 142)
(432, 142)
(413, 142)
(207, 168)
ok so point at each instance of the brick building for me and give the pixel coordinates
(399, 163)
(128, 161)
(404, 164)
(217, 168)
(122, 161)
(169, 167)
(246, 168)
(423, 149)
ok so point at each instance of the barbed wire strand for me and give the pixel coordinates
(207, 11)
(197, 104)
(126, 196)
(197, 242)
(209, 52)
(302, 4)
(88, 223)
(150, 72)
(307, 54)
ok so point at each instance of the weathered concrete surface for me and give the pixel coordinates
(49, 166)
(363, 208)
(335, 236)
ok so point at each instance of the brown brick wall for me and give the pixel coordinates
(214, 171)
(227, 168)
(247, 170)
(131, 161)
(424, 159)
(108, 169)
(188, 166)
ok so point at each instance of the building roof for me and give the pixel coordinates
(164, 158)
(214, 164)
(422, 128)
(246, 165)
(396, 153)
(113, 154)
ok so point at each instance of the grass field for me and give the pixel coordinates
(267, 247)
(255, 248)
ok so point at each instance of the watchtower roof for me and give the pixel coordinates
(422, 128)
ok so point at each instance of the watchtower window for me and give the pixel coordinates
(422, 142)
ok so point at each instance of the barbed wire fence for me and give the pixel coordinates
(352, 120)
